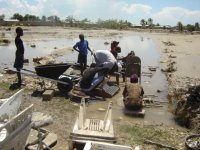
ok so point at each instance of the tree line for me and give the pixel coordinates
(110, 23)
(188, 27)
(180, 26)
(72, 21)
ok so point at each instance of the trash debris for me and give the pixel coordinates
(151, 68)
(33, 45)
(168, 43)
(193, 142)
(101, 109)
(159, 145)
(8, 71)
(26, 61)
(106, 43)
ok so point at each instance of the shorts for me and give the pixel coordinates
(19, 60)
(82, 59)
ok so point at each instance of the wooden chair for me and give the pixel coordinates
(86, 129)
(132, 66)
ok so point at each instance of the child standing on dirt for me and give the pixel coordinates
(19, 55)
(82, 47)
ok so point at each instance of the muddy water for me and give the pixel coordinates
(144, 48)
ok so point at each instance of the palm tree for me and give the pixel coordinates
(150, 22)
(196, 26)
(2, 17)
(143, 22)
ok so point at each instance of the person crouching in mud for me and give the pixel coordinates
(19, 59)
(132, 94)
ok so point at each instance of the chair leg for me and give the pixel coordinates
(124, 77)
(117, 79)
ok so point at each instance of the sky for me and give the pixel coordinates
(164, 12)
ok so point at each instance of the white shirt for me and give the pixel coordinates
(104, 57)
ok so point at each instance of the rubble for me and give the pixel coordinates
(184, 93)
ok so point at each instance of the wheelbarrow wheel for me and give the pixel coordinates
(65, 87)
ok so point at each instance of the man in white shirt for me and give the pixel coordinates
(106, 58)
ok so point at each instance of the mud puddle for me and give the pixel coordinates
(143, 47)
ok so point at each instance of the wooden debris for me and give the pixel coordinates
(172, 56)
(37, 59)
(168, 43)
(26, 61)
(135, 113)
(159, 145)
(47, 95)
(9, 71)
(33, 45)
(106, 43)
(151, 68)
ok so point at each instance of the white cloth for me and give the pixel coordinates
(104, 57)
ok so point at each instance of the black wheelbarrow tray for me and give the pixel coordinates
(54, 72)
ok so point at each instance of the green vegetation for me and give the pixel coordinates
(65, 104)
(180, 26)
(4, 86)
(138, 134)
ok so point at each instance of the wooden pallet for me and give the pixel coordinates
(135, 113)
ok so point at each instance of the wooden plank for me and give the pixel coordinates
(47, 95)
(137, 113)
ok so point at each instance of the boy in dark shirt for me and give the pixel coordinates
(19, 54)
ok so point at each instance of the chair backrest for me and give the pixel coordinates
(17, 130)
(133, 66)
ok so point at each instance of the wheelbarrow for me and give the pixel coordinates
(54, 72)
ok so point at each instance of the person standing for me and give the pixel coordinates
(19, 55)
(82, 47)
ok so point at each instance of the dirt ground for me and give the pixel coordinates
(183, 49)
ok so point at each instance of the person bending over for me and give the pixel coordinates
(107, 60)
(89, 74)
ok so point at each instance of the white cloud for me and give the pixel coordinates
(94, 9)
(171, 16)
(133, 8)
